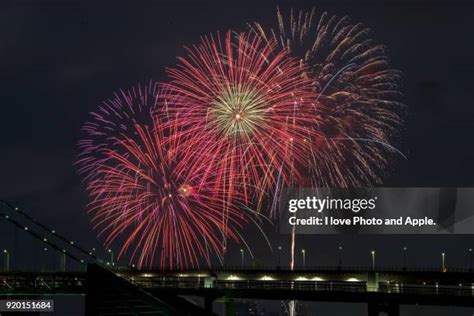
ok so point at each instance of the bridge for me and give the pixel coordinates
(383, 290)
(111, 289)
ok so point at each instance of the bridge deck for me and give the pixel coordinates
(404, 287)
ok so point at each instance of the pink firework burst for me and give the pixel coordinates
(140, 199)
(114, 117)
(243, 107)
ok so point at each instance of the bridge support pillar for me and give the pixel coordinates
(383, 309)
(208, 302)
(230, 307)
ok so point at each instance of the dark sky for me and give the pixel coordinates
(60, 59)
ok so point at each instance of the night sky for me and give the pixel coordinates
(60, 59)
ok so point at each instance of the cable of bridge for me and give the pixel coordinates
(48, 229)
(42, 239)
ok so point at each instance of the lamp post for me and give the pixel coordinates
(63, 261)
(7, 260)
(279, 256)
(340, 256)
(404, 258)
(373, 259)
(470, 259)
(111, 257)
(303, 253)
(443, 261)
(242, 257)
(224, 251)
(45, 257)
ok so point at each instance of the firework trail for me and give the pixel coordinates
(139, 198)
(243, 107)
(358, 98)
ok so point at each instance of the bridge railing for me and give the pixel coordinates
(172, 284)
(251, 284)
(336, 286)
(345, 268)
(238, 268)
(293, 286)
(42, 282)
(443, 290)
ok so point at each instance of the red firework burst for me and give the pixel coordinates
(141, 200)
(358, 95)
(243, 108)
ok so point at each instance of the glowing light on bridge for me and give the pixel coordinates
(302, 278)
(147, 275)
(267, 278)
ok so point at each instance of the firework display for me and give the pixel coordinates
(116, 116)
(243, 108)
(176, 169)
(358, 95)
(139, 198)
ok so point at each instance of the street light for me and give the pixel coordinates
(470, 259)
(63, 261)
(242, 255)
(340, 256)
(111, 256)
(404, 257)
(279, 256)
(373, 259)
(44, 261)
(303, 252)
(7, 260)
(443, 261)
(224, 251)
